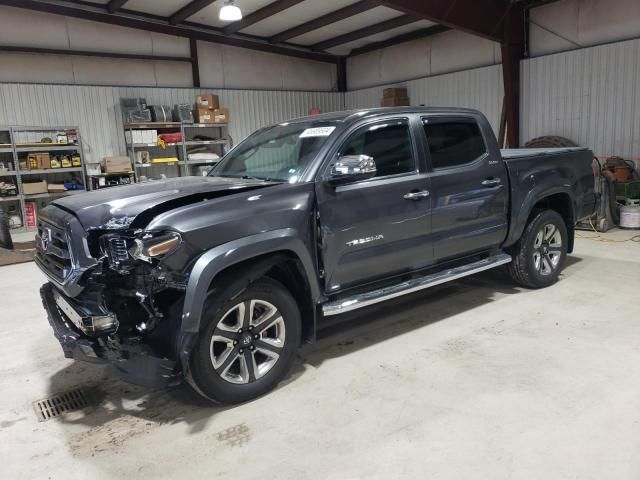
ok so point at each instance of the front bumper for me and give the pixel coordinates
(135, 362)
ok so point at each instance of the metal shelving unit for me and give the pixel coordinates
(222, 142)
(28, 146)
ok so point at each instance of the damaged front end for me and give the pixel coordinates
(124, 305)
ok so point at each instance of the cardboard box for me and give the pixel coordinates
(93, 169)
(204, 115)
(117, 164)
(56, 187)
(149, 136)
(395, 102)
(395, 92)
(209, 102)
(37, 161)
(34, 187)
(134, 136)
(221, 115)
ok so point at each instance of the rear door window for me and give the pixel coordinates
(453, 142)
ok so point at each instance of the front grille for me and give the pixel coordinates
(52, 250)
(118, 251)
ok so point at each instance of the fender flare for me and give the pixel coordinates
(527, 207)
(214, 261)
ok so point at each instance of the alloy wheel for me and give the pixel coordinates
(547, 249)
(247, 341)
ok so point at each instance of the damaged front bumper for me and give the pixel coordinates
(135, 361)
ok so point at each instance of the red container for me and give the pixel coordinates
(171, 137)
(31, 212)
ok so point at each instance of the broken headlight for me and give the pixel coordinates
(150, 246)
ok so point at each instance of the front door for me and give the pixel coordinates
(468, 187)
(376, 228)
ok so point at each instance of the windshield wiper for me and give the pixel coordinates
(249, 177)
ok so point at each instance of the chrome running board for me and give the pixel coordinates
(387, 293)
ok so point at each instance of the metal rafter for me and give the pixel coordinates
(405, 37)
(91, 53)
(150, 24)
(115, 5)
(484, 18)
(188, 10)
(324, 20)
(365, 32)
(265, 12)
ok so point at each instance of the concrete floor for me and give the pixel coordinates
(475, 379)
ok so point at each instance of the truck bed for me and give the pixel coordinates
(540, 172)
(508, 153)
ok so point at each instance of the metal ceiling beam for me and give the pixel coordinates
(188, 10)
(115, 5)
(195, 64)
(265, 12)
(90, 53)
(323, 21)
(162, 26)
(405, 37)
(365, 32)
(484, 18)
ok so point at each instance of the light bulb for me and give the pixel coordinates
(229, 12)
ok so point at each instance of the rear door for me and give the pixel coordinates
(468, 186)
(376, 228)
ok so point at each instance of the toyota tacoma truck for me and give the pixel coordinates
(218, 280)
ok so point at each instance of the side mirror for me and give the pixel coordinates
(352, 168)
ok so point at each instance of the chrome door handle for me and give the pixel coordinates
(416, 195)
(491, 182)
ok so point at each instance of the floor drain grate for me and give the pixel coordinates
(56, 405)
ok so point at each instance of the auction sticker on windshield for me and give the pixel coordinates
(317, 132)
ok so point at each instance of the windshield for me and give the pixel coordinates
(279, 153)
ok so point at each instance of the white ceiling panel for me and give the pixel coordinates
(209, 16)
(163, 8)
(379, 37)
(294, 16)
(365, 19)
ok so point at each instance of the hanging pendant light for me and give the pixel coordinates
(229, 12)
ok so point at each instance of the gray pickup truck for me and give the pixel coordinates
(219, 279)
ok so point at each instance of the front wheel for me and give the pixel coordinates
(248, 342)
(539, 255)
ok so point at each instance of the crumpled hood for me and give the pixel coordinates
(118, 207)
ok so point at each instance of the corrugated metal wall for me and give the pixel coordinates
(591, 96)
(96, 109)
(480, 88)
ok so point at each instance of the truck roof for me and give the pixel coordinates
(348, 116)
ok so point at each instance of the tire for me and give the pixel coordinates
(224, 371)
(550, 141)
(530, 266)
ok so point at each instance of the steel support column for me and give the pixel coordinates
(512, 52)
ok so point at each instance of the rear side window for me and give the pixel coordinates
(389, 144)
(453, 142)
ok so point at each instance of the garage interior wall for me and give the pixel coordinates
(479, 88)
(96, 110)
(581, 81)
(221, 66)
(41, 90)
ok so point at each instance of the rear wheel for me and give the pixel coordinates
(539, 255)
(248, 342)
